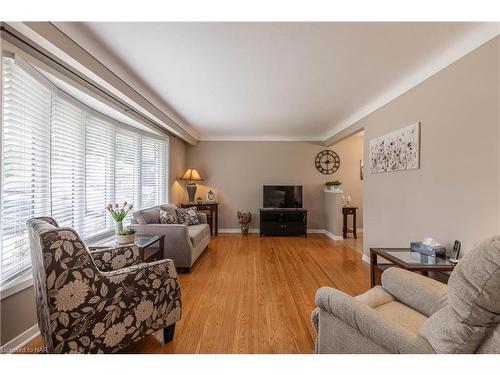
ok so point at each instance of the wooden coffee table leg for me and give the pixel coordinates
(216, 220)
(344, 226)
(162, 251)
(373, 267)
(211, 221)
(354, 225)
(141, 254)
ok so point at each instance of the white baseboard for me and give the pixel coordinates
(333, 236)
(316, 231)
(309, 231)
(237, 230)
(21, 340)
(366, 258)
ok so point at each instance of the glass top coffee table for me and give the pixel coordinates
(145, 244)
(408, 260)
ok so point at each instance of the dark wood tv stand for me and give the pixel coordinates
(283, 222)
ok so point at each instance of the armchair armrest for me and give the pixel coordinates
(419, 292)
(370, 323)
(141, 277)
(163, 265)
(114, 258)
(142, 299)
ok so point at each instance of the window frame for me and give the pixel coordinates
(23, 279)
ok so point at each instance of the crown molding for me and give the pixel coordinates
(305, 138)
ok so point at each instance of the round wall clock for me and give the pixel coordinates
(327, 162)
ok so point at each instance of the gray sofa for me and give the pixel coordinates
(411, 313)
(183, 243)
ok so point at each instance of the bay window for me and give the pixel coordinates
(62, 159)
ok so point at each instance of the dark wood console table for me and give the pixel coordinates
(408, 260)
(213, 217)
(283, 222)
(349, 211)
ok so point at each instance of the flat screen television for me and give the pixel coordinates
(285, 196)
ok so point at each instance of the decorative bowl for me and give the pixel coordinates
(125, 239)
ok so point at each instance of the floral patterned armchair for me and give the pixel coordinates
(99, 301)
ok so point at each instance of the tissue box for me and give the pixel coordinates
(435, 251)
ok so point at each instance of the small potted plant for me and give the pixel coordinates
(333, 185)
(336, 184)
(119, 213)
(126, 236)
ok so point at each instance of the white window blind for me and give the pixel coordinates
(68, 163)
(127, 168)
(62, 159)
(152, 172)
(99, 175)
(25, 170)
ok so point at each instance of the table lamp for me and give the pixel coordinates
(191, 175)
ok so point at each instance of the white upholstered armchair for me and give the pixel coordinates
(411, 313)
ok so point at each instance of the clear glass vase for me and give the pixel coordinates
(119, 227)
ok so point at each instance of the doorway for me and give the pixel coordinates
(351, 174)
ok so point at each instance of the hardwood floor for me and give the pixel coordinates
(255, 295)
(355, 243)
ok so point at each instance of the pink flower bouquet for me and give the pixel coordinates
(117, 212)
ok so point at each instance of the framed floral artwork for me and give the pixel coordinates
(396, 151)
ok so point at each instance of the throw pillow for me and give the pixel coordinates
(187, 216)
(167, 218)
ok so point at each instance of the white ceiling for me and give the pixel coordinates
(291, 81)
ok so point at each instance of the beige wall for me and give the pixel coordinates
(237, 170)
(350, 151)
(177, 166)
(18, 314)
(455, 193)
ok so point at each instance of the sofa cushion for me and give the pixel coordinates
(474, 285)
(423, 294)
(170, 208)
(137, 218)
(402, 315)
(187, 216)
(198, 232)
(167, 218)
(473, 309)
(148, 216)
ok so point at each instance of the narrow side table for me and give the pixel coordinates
(349, 211)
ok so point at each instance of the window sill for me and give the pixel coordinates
(23, 281)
